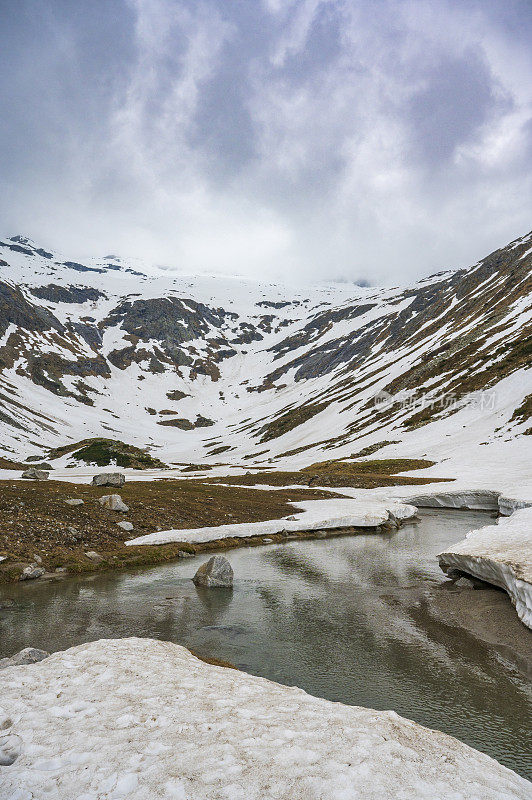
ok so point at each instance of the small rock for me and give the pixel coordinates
(109, 479)
(30, 655)
(113, 502)
(185, 554)
(291, 518)
(74, 501)
(267, 541)
(37, 559)
(94, 556)
(126, 526)
(31, 572)
(464, 583)
(33, 474)
(61, 569)
(216, 572)
(7, 603)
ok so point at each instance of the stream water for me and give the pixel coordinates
(322, 615)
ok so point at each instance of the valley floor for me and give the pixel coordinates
(35, 520)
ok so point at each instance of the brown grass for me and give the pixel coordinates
(35, 520)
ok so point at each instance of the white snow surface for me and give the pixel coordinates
(143, 719)
(500, 554)
(309, 516)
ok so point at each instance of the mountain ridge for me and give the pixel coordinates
(103, 348)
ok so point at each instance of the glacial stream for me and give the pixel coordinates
(349, 619)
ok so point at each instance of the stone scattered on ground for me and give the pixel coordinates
(464, 583)
(94, 556)
(37, 559)
(215, 573)
(126, 526)
(109, 479)
(30, 655)
(31, 572)
(74, 501)
(33, 474)
(113, 502)
(7, 603)
(185, 554)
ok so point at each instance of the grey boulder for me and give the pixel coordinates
(33, 474)
(216, 572)
(113, 502)
(74, 501)
(464, 583)
(109, 479)
(126, 526)
(30, 655)
(31, 572)
(94, 556)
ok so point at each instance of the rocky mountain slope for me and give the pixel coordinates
(208, 370)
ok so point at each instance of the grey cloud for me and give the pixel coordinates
(310, 139)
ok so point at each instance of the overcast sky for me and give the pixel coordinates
(304, 139)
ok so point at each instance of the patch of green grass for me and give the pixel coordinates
(104, 452)
(523, 412)
(290, 420)
(380, 466)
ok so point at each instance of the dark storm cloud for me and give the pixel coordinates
(301, 138)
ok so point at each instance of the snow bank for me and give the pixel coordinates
(473, 499)
(316, 515)
(499, 554)
(140, 719)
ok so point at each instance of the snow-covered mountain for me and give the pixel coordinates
(205, 370)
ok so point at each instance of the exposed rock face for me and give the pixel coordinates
(186, 424)
(113, 502)
(30, 655)
(109, 479)
(32, 572)
(66, 294)
(216, 572)
(33, 474)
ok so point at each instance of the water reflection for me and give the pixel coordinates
(343, 618)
